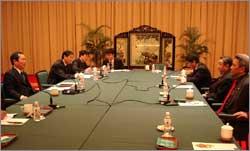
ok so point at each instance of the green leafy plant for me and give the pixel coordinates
(96, 40)
(191, 42)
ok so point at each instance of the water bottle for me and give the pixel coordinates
(153, 67)
(36, 111)
(81, 81)
(108, 67)
(95, 74)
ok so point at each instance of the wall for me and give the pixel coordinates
(42, 30)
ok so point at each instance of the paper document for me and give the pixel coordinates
(174, 76)
(14, 121)
(184, 86)
(192, 103)
(87, 76)
(121, 70)
(213, 146)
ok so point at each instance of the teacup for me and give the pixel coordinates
(54, 92)
(226, 132)
(27, 108)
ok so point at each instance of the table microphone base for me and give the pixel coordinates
(54, 106)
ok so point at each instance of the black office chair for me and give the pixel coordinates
(42, 77)
(6, 102)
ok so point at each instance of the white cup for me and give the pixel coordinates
(27, 108)
(147, 68)
(189, 93)
(183, 79)
(54, 91)
(226, 132)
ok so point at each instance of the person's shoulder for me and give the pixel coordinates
(11, 71)
(58, 62)
(202, 66)
(228, 76)
(76, 60)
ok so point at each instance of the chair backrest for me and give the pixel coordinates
(42, 77)
(2, 91)
(159, 66)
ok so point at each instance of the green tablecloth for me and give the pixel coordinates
(125, 125)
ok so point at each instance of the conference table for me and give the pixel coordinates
(120, 111)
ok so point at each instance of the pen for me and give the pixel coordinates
(12, 122)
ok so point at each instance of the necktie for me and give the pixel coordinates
(23, 77)
(226, 98)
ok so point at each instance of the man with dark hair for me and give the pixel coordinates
(62, 68)
(16, 84)
(80, 64)
(219, 88)
(200, 76)
(113, 62)
(237, 100)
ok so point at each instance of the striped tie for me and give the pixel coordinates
(226, 98)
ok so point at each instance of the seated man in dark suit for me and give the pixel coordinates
(200, 76)
(16, 84)
(219, 88)
(62, 68)
(237, 100)
(80, 64)
(114, 63)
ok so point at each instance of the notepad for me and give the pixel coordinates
(192, 103)
(184, 86)
(14, 121)
(120, 70)
(213, 146)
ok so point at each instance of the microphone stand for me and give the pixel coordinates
(51, 104)
(168, 100)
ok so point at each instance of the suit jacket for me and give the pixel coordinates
(201, 76)
(239, 101)
(78, 65)
(15, 85)
(60, 72)
(117, 63)
(219, 88)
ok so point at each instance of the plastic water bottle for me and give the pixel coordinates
(95, 74)
(36, 111)
(153, 67)
(108, 67)
(81, 81)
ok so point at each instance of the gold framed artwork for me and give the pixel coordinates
(144, 48)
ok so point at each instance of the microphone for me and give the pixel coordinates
(51, 104)
(72, 91)
(167, 100)
(162, 82)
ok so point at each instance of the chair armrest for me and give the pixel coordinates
(226, 117)
(215, 106)
(7, 102)
(204, 89)
(45, 86)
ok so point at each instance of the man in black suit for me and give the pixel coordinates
(219, 88)
(62, 68)
(237, 102)
(200, 76)
(113, 62)
(16, 84)
(80, 64)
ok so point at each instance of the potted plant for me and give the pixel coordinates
(191, 42)
(96, 40)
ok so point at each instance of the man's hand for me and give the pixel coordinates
(241, 115)
(22, 97)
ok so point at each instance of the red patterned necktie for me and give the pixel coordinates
(226, 98)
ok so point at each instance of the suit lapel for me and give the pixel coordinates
(19, 77)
